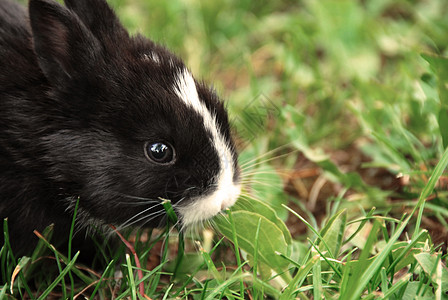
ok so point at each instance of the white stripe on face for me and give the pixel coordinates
(227, 192)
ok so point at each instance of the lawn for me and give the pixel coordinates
(340, 112)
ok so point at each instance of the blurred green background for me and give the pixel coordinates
(331, 60)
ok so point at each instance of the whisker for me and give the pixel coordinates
(267, 184)
(142, 200)
(149, 218)
(178, 203)
(136, 215)
(131, 221)
(262, 155)
(284, 172)
(141, 203)
(252, 197)
(244, 165)
(248, 167)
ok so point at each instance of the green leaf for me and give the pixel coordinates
(413, 288)
(400, 252)
(429, 263)
(271, 237)
(333, 233)
(254, 205)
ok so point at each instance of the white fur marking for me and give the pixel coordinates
(226, 192)
(151, 56)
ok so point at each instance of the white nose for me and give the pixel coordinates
(231, 196)
(204, 208)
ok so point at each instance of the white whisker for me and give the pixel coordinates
(149, 218)
(251, 163)
(124, 224)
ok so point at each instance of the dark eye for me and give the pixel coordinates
(161, 153)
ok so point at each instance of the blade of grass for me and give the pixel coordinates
(69, 253)
(9, 249)
(167, 292)
(191, 277)
(100, 281)
(59, 278)
(3, 291)
(79, 274)
(384, 280)
(234, 277)
(40, 248)
(204, 290)
(362, 262)
(400, 283)
(294, 263)
(22, 263)
(404, 252)
(58, 263)
(311, 228)
(317, 280)
(438, 280)
(237, 251)
(361, 225)
(136, 259)
(390, 256)
(346, 272)
(3, 256)
(211, 266)
(145, 278)
(255, 256)
(429, 187)
(157, 276)
(325, 258)
(376, 264)
(299, 277)
(172, 217)
(131, 280)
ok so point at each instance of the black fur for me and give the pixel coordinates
(78, 102)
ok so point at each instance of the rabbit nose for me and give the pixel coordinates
(224, 205)
(233, 194)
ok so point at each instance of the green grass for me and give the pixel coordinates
(340, 113)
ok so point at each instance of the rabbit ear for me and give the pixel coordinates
(100, 18)
(63, 45)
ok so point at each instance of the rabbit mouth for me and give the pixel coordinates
(206, 207)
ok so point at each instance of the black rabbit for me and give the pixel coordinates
(88, 112)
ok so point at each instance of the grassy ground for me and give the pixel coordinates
(340, 111)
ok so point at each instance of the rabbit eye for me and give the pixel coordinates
(161, 153)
